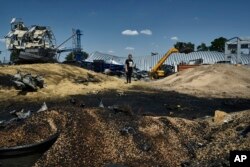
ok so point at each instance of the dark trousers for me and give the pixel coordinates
(129, 74)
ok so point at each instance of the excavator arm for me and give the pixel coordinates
(155, 71)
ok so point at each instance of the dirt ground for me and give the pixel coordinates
(169, 122)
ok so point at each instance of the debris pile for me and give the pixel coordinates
(27, 82)
(140, 75)
(20, 115)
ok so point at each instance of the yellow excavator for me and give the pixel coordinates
(156, 72)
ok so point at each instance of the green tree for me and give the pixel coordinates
(71, 56)
(202, 47)
(84, 55)
(218, 44)
(184, 47)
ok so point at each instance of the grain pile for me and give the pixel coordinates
(103, 137)
(233, 134)
(210, 80)
(32, 130)
(61, 80)
(95, 137)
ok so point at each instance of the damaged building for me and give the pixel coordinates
(31, 44)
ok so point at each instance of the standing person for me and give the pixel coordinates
(129, 64)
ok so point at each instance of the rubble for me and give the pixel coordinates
(101, 104)
(22, 115)
(2, 123)
(27, 82)
(43, 108)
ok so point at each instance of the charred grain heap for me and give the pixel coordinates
(33, 44)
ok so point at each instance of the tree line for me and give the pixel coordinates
(72, 56)
(217, 44)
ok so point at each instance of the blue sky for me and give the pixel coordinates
(131, 26)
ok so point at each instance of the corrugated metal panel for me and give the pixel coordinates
(105, 57)
(147, 62)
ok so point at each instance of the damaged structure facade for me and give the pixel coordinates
(233, 50)
(31, 44)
